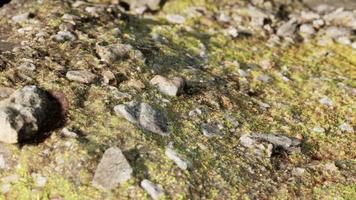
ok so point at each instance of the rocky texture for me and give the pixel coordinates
(169, 87)
(109, 78)
(144, 116)
(349, 4)
(154, 190)
(64, 36)
(69, 134)
(236, 65)
(210, 130)
(81, 76)
(27, 65)
(326, 101)
(21, 17)
(112, 170)
(114, 52)
(177, 19)
(285, 143)
(177, 159)
(39, 180)
(152, 5)
(5, 92)
(287, 29)
(346, 128)
(7, 159)
(23, 114)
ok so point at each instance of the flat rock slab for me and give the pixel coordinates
(144, 116)
(112, 170)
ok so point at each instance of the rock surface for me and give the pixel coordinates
(176, 19)
(114, 52)
(287, 29)
(144, 116)
(242, 76)
(23, 114)
(210, 130)
(169, 87)
(288, 144)
(112, 170)
(81, 76)
(154, 190)
(64, 36)
(153, 5)
(177, 159)
(5, 92)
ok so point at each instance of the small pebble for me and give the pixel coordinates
(319, 129)
(326, 101)
(171, 87)
(154, 190)
(109, 77)
(39, 180)
(28, 66)
(69, 134)
(177, 19)
(21, 17)
(178, 159)
(346, 128)
(81, 76)
(298, 171)
(5, 188)
(64, 36)
(2, 162)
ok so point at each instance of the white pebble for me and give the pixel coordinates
(346, 127)
(154, 190)
(326, 101)
(182, 163)
(177, 19)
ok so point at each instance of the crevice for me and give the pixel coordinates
(3, 2)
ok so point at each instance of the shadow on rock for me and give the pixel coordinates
(140, 170)
(56, 116)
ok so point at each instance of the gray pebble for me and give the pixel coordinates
(176, 19)
(112, 170)
(154, 190)
(169, 87)
(144, 116)
(81, 76)
(178, 159)
(64, 36)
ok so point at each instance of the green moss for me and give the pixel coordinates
(335, 191)
(220, 168)
(178, 6)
